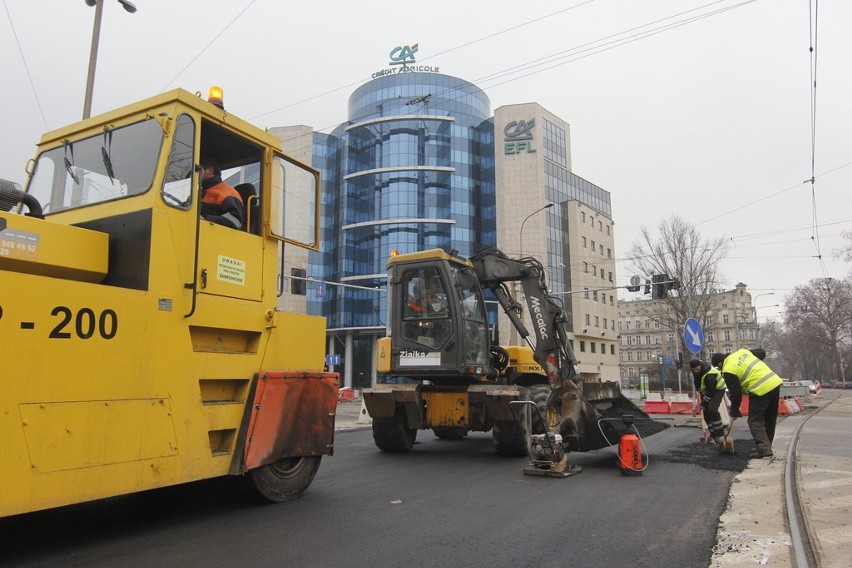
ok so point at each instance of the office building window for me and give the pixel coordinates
(299, 284)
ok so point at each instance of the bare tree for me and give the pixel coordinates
(680, 251)
(770, 336)
(800, 356)
(819, 318)
(845, 250)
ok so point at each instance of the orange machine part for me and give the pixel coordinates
(292, 416)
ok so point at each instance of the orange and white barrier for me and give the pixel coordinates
(657, 407)
(787, 406)
(364, 416)
(681, 407)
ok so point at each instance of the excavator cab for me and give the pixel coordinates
(437, 318)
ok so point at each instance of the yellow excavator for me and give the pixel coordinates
(458, 380)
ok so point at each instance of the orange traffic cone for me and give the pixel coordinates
(630, 455)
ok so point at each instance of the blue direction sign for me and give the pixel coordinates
(333, 360)
(693, 336)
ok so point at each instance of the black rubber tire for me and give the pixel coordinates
(539, 394)
(285, 479)
(509, 439)
(393, 435)
(449, 432)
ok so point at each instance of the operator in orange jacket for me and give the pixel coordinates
(220, 203)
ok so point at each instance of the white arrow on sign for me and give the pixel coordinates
(696, 339)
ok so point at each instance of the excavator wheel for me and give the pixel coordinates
(283, 480)
(393, 434)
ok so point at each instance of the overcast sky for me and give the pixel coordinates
(698, 108)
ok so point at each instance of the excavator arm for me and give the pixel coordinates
(579, 405)
(551, 349)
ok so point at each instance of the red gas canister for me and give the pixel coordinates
(630, 455)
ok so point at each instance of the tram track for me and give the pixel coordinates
(800, 533)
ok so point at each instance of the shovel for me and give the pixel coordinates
(727, 441)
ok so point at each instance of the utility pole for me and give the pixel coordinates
(93, 53)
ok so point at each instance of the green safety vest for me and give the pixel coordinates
(720, 382)
(754, 375)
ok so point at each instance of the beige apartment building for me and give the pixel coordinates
(647, 332)
(546, 211)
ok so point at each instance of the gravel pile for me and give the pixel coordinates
(708, 456)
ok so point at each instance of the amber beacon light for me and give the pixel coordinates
(216, 96)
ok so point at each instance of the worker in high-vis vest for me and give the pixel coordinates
(745, 373)
(710, 386)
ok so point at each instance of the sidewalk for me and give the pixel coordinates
(351, 414)
(754, 528)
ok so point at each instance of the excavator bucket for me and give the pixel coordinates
(596, 415)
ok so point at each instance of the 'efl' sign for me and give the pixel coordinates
(519, 138)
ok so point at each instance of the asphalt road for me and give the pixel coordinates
(447, 503)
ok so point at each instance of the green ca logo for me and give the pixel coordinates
(403, 55)
(519, 137)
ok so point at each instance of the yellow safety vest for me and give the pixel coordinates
(720, 382)
(754, 375)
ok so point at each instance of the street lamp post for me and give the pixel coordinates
(762, 307)
(757, 325)
(754, 300)
(521, 232)
(754, 309)
(93, 54)
(513, 333)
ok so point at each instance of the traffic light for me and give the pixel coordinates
(660, 286)
(679, 362)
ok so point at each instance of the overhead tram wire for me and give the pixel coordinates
(584, 53)
(26, 67)
(813, 25)
(581, 54)
(771, 195)
(360, 81)
(609, 42)
(509, 70)
(206, 47)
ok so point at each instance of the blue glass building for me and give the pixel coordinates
(411, 169)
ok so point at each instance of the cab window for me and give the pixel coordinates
(177, 182)
(426, 312)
